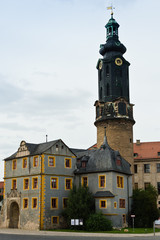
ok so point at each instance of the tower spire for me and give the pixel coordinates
(111, 8)
(113, 108)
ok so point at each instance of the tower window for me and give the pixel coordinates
(97, 111)
(107, 71)
(122, 108)
(100, 74)
(100, 95)
(108, 89)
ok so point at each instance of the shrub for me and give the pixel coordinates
(98, 222)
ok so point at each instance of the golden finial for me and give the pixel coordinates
(111, 8)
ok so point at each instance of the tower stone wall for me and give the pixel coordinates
(119, 135)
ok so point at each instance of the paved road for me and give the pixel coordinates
(18, 234)
(36, 237)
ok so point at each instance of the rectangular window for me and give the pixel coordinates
(25, 203)
(68, 183)
(14, 183)
(121, 203)
(146, 168)
(24, 165)
(35, 161)
(14, 164)
(158, 167)
(158, 187)
(102, 203)
(51, 161)
(35, 183)
(135, 168)
(102, 181)
(136, 186)
(54, 203)
(115, 204)
(120, 182)
(65, 200)
(146, 185)
(34, 202)
(54, 182)
(84, 181)
(55, 220)
(26, 184)
(67, 162)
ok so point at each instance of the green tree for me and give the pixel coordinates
(145, 206)
(80, 204)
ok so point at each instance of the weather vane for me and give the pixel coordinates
(111, 8)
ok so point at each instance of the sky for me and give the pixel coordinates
(48, 77)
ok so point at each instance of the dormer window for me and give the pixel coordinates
(118, 162)
(83, 164)
(57, 148)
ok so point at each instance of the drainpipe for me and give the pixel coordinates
(40, 193)
(128, 195)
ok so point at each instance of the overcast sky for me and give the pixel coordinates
(48, 78)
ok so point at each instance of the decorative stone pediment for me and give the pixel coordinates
(22, 150)
(14, 194)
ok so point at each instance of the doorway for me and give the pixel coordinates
(14, 215)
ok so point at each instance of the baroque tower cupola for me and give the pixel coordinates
(113, 108)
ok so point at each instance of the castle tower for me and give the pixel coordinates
(113, 108)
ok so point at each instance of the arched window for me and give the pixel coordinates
(107, 71)
(110, 31)
(108, 89)
(100, 74)
(121, 91)
(100, 93)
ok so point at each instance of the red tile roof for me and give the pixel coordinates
(146, 150)
(1, 184)
(93, 147)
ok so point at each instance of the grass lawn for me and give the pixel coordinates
(123, 230)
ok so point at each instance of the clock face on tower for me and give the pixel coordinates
(118, 61)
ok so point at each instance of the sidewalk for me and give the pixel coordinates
(54, 233)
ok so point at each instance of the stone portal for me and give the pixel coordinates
(14, 215)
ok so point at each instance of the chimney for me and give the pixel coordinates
(138, 142)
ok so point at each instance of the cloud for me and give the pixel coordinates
(25, 110)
